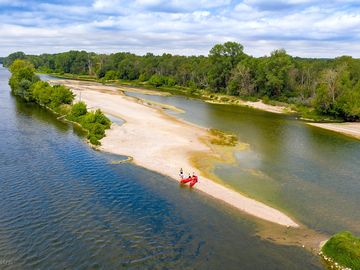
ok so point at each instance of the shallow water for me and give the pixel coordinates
(64, 206)
(309, 172)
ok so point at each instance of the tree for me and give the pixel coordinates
(23, 76)
(223, 58)
(276, 70)
(12, 57)
(241, 81)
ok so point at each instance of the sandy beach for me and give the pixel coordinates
(163, 143)
(266, 107)
(349, 129)
(258, 105)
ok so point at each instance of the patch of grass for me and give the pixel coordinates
(310, 114)
(221, 138)
(344, 248)
(249, 98)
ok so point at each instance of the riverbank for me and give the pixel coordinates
(203, 95)
(349, 129)
(163, 143)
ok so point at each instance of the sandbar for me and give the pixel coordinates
(163, 143)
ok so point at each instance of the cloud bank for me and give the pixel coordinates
(308, 28)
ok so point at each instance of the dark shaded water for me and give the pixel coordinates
(64, 206)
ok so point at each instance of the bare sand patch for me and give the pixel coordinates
(266, 107)
(349, 129)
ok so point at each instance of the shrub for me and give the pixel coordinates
(170, 81)
(156, 80)
(344, 248)
(94, 122)
(142, 77)
(93, 140)
(78, 109)
(110, 75)
(266, 99)
(102, 119)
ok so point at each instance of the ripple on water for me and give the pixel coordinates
(64, 207)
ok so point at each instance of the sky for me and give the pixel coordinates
(306, 28)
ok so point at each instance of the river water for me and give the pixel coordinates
(311, 173)
(65, 206)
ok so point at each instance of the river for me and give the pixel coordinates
(65, 206)
(310, 173)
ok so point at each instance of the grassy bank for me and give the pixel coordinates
(342, 251)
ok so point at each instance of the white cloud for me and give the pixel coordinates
(302, 27)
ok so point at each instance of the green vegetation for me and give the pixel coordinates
(58, 98)
(319, 88)
(22, 78)
(221, 138)
(344, 249)
(94, 122)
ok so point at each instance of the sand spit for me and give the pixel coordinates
(163, 143)
(349, 129)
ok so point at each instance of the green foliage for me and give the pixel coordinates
(94, 122)
(266, 99)
(12, 57)
(344, 248)
(42, 92)
(110, 75)
(223, 58)
(22, 77)
(156, 80)
(330, 86)
(51, 96)
(59, 98)
(78, 109)
(142, 77)
(61, 95)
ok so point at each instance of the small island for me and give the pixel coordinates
(342, 251)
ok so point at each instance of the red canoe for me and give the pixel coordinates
(186, 180)
(193, 180)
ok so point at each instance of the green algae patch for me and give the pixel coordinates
(221, 138)
(342, 251)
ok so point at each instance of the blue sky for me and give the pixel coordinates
(308, 28)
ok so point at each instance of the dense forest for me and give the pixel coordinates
(58, 98)
(326, 86)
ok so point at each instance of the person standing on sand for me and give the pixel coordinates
(181, 173)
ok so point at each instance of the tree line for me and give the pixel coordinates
(327, 86)
(28, 86)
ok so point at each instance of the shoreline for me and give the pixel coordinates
(351, 129)
(165, 138)
(258, 105)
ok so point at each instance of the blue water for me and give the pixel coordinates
(64, 206)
